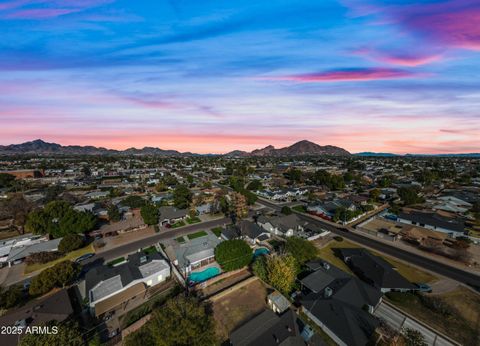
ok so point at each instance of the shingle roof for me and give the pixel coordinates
(375, 269)
(268, 329)
(434, 219)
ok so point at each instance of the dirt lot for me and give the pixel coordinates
(235, 309)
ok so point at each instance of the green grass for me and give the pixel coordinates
(150, 250)
(197, 235)
(217, 231)
(409, 272)
(178, 224)
(193, 220)
(116, 261)
(180, 240)
(71, 256)
(300, 208)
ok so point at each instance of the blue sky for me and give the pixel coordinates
(213, 76)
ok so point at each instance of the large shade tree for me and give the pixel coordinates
(233, 254)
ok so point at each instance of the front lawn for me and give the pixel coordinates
(150, 250)
(217, 231)
(192, 220)
(178, 224)
(300, 208)
(71, 256)
(197, 235)
(116, 261)
(411, 273)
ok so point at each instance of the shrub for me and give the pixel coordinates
(286, 210)
(42, 257)
(338, 238)
(233, 254)
(70, 242)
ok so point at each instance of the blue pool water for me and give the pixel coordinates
(204, 275)
(260, 252)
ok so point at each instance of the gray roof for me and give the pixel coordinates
(374, 270)
(250, 229)
(341, 310)
(436, 220)
(169, 212)
(22, 252)
(268, 329)
(193, 250)
(104, 280)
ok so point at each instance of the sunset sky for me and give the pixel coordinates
(216, 75)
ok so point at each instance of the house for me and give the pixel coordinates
(375, 270)
(55, 307)
(194, 253)
(340, 304)
(285, 225)
(170, 215)
(203, 208)
(328, 209)
(15, 252)
(247, 230)
(111, 290)
(454, 227)
(97, 194)
(269, 329)
(452, 204)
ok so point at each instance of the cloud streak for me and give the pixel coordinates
(345, 75)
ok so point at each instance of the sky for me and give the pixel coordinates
(210, 76)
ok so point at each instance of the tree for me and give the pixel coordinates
(17, 207)
(259, 268)
(59, 275)
(182, 322)
(114, 213)
(68, 334)
(182, 197)
(149, 214)
(255, 185)
(239, 205)
(414, 337)
(374, 194)
(281, 272)
(302, 250)
(70, 242)
(6, 180)
(286, 210)
(58, 219)
(161, 186)
(134, 202)
(294, 175)
(11, 297)
(233, 254)
(409, 195)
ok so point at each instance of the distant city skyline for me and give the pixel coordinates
(215, 76)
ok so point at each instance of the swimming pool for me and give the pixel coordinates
(204, 275)
(260, 252)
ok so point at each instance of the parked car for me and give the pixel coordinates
(84, 257)
(421, 287)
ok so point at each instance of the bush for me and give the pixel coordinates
(70, 242)
(59, 275)
(11, 297)
(286, 210)
(42, 257)
(233, 254)
(338, 238)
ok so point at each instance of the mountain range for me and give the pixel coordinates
(40, 147)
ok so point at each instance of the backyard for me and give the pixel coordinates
(233, 310)
(409, 272)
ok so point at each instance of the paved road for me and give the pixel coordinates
(421, 261)
(162, 235)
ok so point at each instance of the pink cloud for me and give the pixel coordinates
(40, 13)
(412, 59)
(345, 75)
